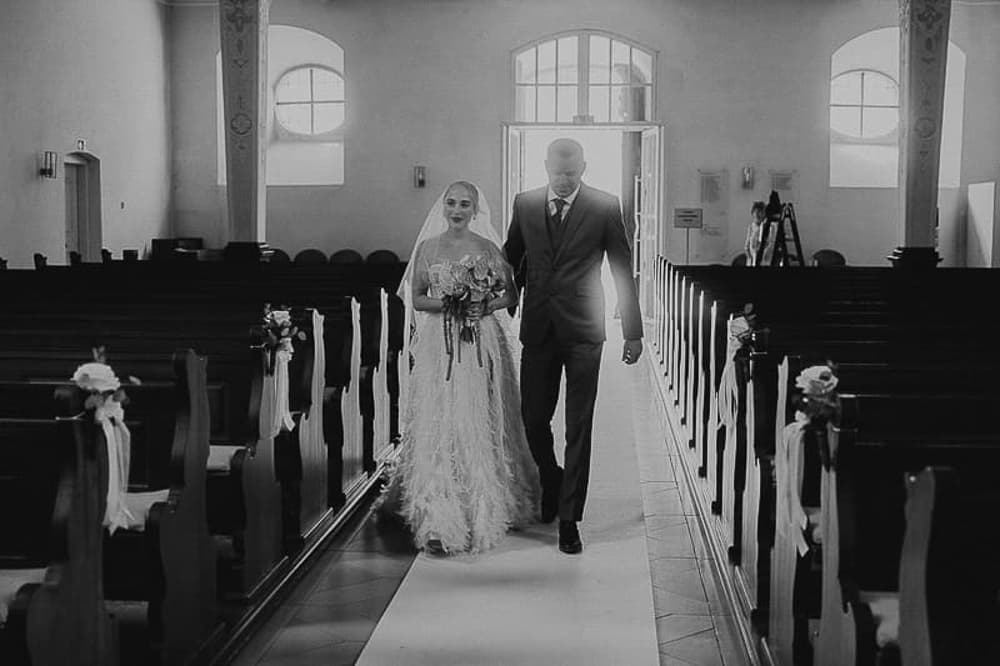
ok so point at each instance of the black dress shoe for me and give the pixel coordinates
(435, 547)
(569, 537)
(550, 496)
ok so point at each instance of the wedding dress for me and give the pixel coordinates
(465, 474)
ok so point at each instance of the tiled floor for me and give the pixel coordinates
(526, 603)
(694, 625)
(331, 613)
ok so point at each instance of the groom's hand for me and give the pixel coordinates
(632, 351)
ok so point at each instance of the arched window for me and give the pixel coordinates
(583, 77)
(308, 119)
(864, 104)
(309, 101)
(864, 112)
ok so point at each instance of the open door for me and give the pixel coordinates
(82, 172)
(647, 214)
(513, 172)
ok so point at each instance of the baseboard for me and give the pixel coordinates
(732, 585)
(322, 533)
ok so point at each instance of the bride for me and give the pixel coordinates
(465, 473)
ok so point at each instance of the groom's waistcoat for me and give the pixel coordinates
(561, 272)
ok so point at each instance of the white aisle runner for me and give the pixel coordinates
(528, 603)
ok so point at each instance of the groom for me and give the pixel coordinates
(558, 237)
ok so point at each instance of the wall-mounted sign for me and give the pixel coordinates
(687, 218)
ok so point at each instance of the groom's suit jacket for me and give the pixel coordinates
(560, 273)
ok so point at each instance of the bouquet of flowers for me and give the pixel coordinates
(463, 283)
(817, 388)
(100, 381)
(278, 331)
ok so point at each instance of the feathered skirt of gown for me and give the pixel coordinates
(465, 473)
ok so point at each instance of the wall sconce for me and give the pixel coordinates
(746, 179)
(419, 176)
(48, 165)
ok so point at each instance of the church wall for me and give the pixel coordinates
(429, 83)
(94, 70)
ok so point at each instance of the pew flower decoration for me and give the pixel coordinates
(463, 283)
(99, 380)
(106, 399)
(817, 384)
(278, 329)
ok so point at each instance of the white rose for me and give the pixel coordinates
(96, 377)
(817, 380)
(281, 317)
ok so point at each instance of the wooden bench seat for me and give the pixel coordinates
(52, 498)
(169, 562)
(873, 444)
(949, 582)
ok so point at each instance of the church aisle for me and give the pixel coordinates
(642, 592)
(527, 603)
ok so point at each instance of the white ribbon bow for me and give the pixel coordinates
(789, 466)
(728, 389)
(111, 417)
(282, 413)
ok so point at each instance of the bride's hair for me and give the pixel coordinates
(470, 188)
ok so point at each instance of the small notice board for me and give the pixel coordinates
(688, 218)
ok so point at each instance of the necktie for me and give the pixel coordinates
(559, 204)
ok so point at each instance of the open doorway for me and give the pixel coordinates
(82, 173)
(624, 160)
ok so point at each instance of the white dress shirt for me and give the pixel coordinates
(551, 196)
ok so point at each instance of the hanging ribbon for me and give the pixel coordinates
(728, 386)
(789, 467)
(282, 413)
(111, 417)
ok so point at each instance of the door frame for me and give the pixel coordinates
(89, 223)
(506, 128)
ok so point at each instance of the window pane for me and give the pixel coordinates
(546, 104)
(621, 104)
(879, 122)
(642, 67)
(295, 117)
(568, 52)
(647, 103)
(600, 59)
(846, 89)
(880, 90)
(525, 67)
(567, 104)
(328, 116)
(639, 106)
(547, 62)
(525, 104)
(620, 62)
(293, 86)
(599, 101)
(327, 86)
(846, 120)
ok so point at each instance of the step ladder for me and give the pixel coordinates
(786, 231)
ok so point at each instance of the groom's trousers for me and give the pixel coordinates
(542, 367)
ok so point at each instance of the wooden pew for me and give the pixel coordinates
(949, 582)
(141, 312)
(168, 560)
(53, 497)
(869, 297)
(243, 493)
(873, 443)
